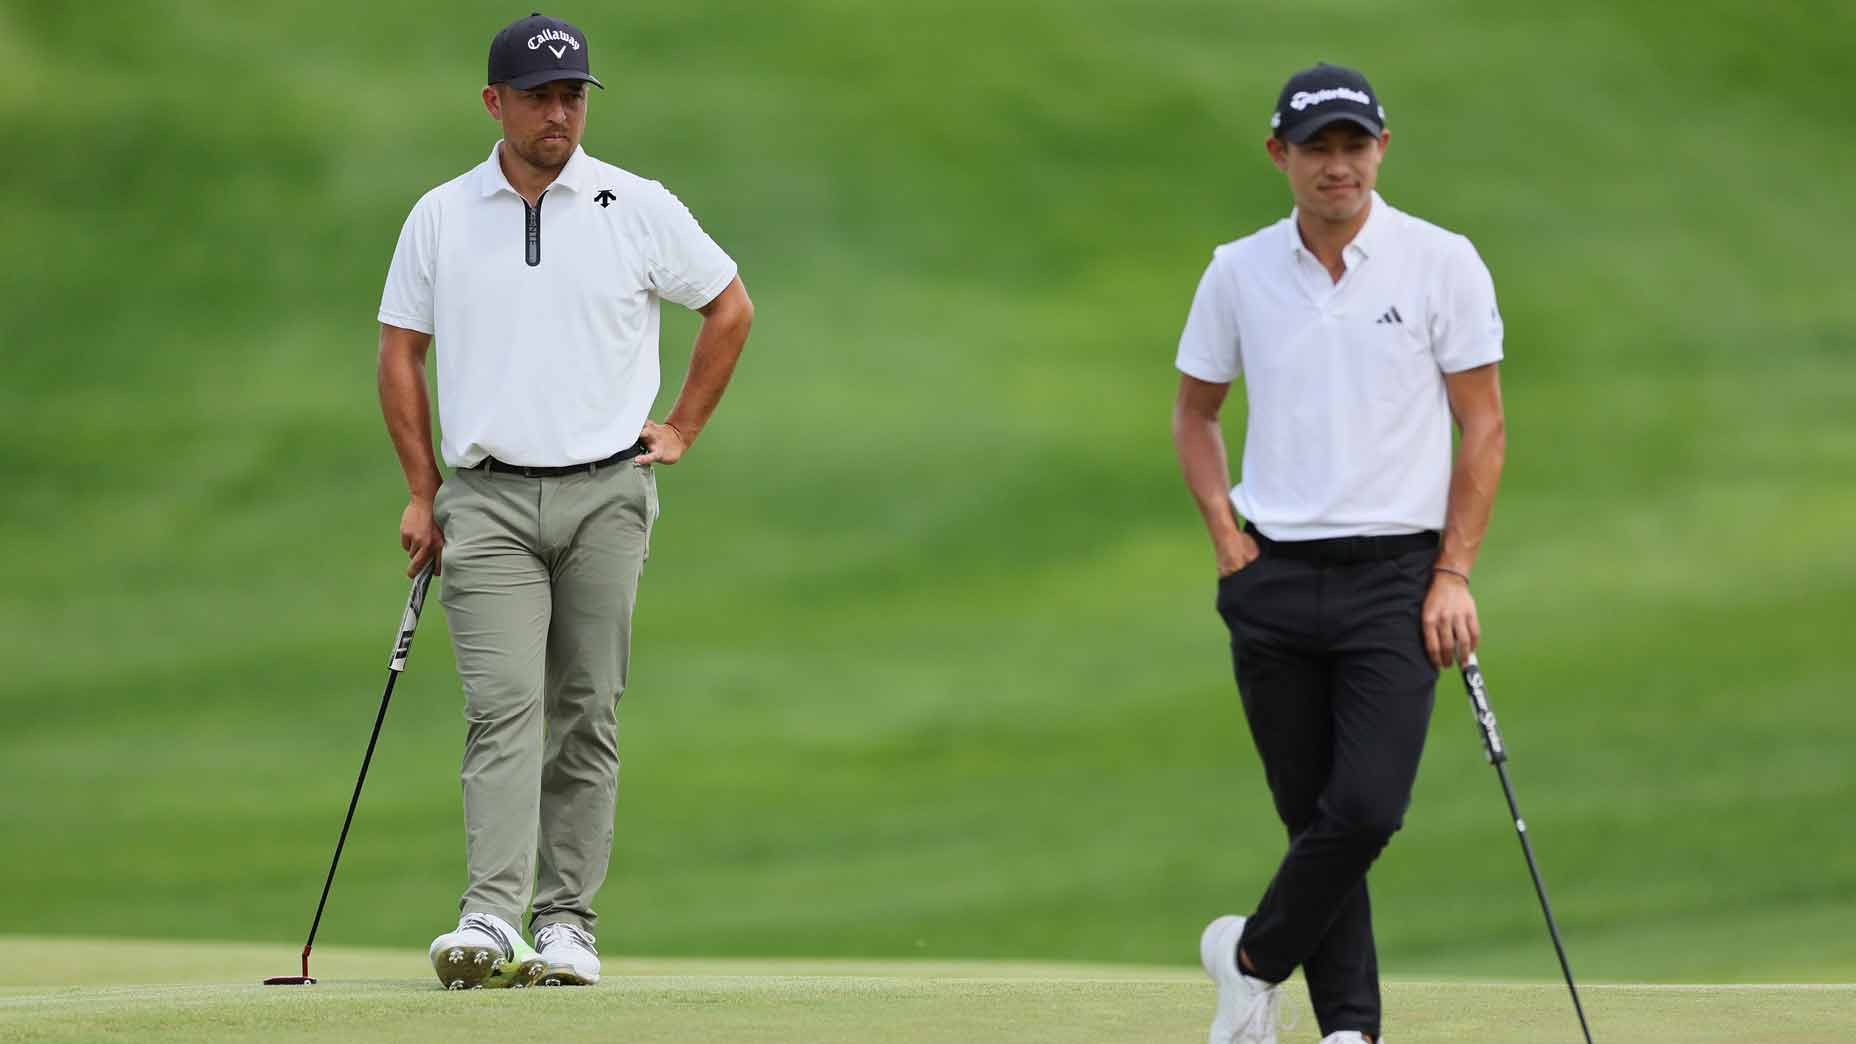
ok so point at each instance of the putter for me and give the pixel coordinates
(1498, 756)
(396, 663)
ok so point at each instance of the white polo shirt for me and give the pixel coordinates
(545, 318)
(1349, 426)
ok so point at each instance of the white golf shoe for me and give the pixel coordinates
(568, 952)
(1345, 1037)
(1247, 1007)
(485, 953)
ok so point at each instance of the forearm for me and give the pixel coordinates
(1473, 481)
(718, 347)
(1200, 444)
(404, 405)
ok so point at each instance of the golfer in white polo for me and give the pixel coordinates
(1344, 554)
(538, 274)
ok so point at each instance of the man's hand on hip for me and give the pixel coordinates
(1451, 630)
(663, 444)
(1235, 553)
(421, 537)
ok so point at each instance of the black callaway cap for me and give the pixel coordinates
(532, 51)
(1314, 98)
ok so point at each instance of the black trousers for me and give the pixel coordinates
(1330, 661)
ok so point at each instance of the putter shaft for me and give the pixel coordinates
(1498, 756)
(396, 663)
(348, 820)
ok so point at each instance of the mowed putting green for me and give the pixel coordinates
(146, 991)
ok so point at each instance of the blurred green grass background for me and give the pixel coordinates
(927, 662)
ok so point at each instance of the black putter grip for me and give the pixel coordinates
(1485, 715)
(409, 621)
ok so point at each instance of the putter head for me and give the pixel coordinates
(289, 980)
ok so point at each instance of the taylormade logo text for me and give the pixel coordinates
(1303, 99)
(535, 42)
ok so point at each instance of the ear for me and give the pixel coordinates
(1279, 152)
(1385, 141)
(493, 103)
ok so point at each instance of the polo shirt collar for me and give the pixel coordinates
(1370, 237)
(491, 180)
(1372, 234)
(574, 174)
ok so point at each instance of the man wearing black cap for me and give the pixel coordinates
(538, 274)
(1345, 552)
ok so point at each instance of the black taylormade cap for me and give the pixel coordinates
(534, 50)
(1314, 98)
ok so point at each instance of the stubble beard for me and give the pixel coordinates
(545, 155)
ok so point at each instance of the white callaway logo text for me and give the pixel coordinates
(1303, 99)
(535, 42)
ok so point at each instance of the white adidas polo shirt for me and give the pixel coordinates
(545, 318)
(1349, 427)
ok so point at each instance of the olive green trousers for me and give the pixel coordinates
(539, 582)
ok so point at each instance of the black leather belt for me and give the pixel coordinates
(1345, 549)
(494, 465)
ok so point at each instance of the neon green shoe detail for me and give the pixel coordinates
(485, 953)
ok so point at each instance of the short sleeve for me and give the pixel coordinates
(1208, 347)
(686, 266)
(1466, 325)
(407, 300)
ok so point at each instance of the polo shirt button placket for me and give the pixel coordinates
(531, 230)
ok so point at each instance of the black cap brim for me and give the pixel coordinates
(1306, 130)
(536, 79)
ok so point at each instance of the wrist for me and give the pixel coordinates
(1451, 571)
(1223, 523)
(686, 432)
